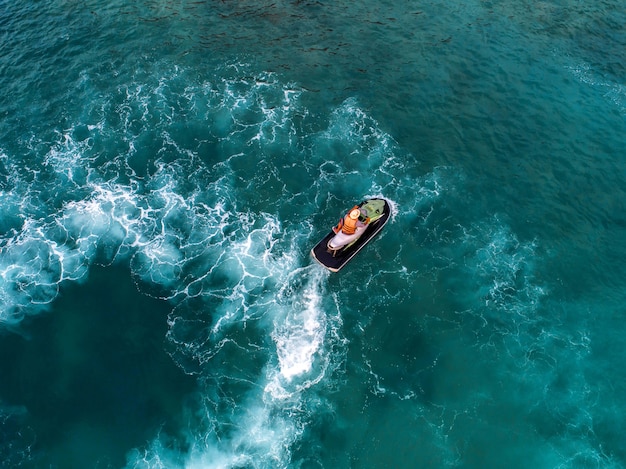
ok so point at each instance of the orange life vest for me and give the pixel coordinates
(349, 226)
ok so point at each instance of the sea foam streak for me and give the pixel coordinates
(300, 331)
(268, 412)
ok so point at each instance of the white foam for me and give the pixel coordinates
(299, 334)
(32, 266)
(615, 92)
(64, 159)
(264, 426)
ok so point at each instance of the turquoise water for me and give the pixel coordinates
(166, 168)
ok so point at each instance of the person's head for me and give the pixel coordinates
(354, 214)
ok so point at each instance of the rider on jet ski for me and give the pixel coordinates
(355, 218)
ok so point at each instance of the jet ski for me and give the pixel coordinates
(354, 231)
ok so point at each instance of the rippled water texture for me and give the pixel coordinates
(166, 168)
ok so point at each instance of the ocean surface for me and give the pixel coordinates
(166, 168)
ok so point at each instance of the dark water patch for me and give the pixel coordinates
(93, 375)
